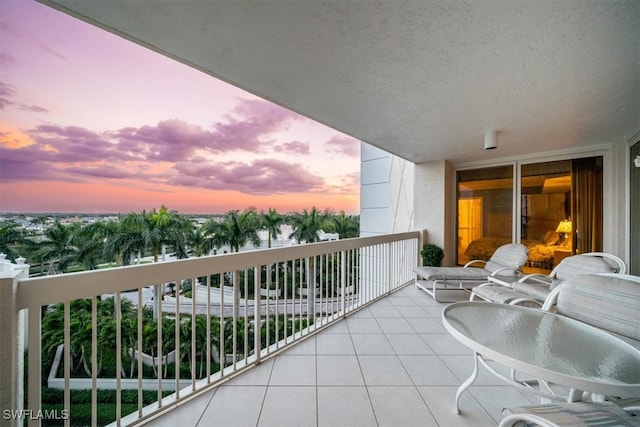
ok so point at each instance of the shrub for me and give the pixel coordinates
(432, 255)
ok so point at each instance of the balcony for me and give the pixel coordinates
(366, 348)
(390, 363)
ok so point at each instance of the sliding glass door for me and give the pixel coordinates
(545, 212)
(635, 210)
(560, 207)
(485, 211)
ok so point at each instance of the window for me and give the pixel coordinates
(485, 211)
(560, 209)
(546, 221)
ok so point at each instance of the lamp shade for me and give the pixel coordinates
(564, 227)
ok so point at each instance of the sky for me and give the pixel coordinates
(90, 122)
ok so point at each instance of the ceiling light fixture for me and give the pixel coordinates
(491, 140)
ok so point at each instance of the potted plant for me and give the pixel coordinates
(432, 255)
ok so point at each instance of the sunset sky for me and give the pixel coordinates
(90, 122)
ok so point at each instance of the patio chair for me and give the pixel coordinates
(505, 263)
(610, 302)
(568, 414)
(533, 289)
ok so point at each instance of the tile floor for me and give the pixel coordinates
(390, 364)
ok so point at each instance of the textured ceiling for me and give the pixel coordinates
(421, 79)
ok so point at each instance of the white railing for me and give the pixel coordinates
(241, 308)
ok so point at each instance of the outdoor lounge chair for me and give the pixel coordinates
(533, 289)
(506, 263)
(610, 302)
(568, 414)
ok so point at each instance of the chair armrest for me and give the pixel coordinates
(500, 270)
(473, 262)
(536, 277)
(552, 298)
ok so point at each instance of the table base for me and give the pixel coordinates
(544, 390)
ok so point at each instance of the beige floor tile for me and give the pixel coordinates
(408, 344)
(383, 370)
(344, 406)
(334, 344)
(234, 406)
(400, 406)
(371, 344)
(294, 370)
(289, 406)
(339, 370)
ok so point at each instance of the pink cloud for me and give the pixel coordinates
(294, 147)
(343, 145)
(7, 92)
(262, 176)
(73, 154)
(250, 124)
(22, 164)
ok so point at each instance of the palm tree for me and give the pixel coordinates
(272, 222)
(57, 246)
(199, 242)
(159, 229)
(346, 225)
(236, 229)
(11, 236)
(155, 230)
(89, 243)
(307, 224)
(125, 241)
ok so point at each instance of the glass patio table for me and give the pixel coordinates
(548, 347)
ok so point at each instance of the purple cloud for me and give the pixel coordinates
(343, 145)
(102, 171)
(247, 128)
(294, 147)
(263, 176)
(22, 165)
(250, 124)
(73, 154)
(169, 140)
(75, 144)
(6, 92)
(33, 108)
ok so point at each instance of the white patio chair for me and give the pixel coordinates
(505, 263)
(533, 289)
(568, 415)
(610, 302)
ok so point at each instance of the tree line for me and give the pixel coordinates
(126, 240)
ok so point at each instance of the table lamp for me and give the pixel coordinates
(564, 228)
